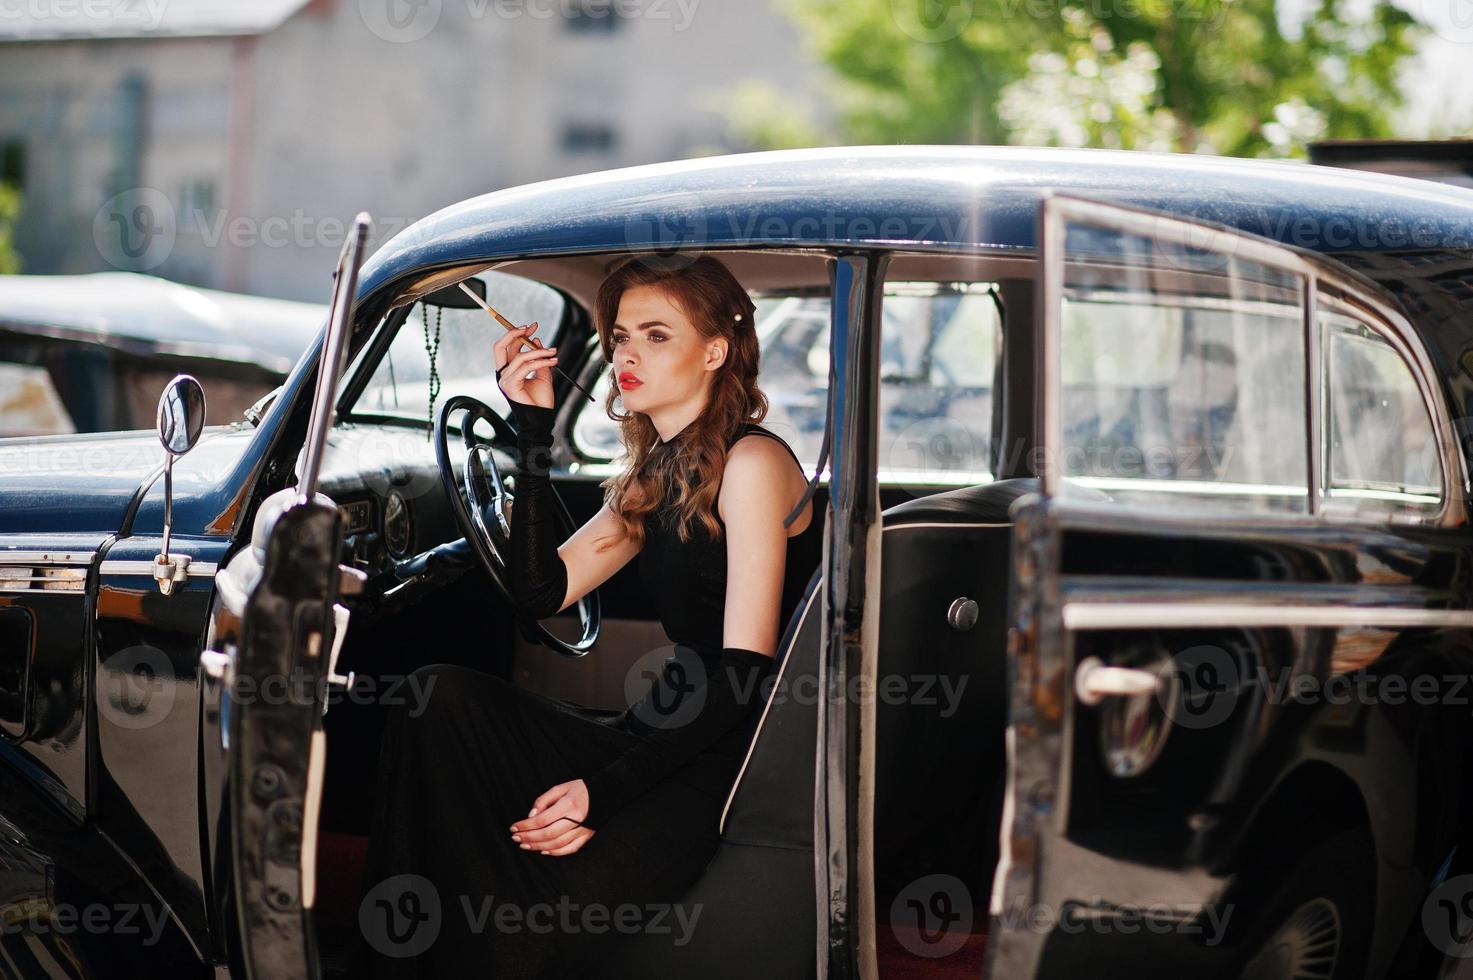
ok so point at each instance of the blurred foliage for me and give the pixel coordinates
(9, 215)
(1236, 77)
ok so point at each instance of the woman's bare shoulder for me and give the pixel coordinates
(762, 467)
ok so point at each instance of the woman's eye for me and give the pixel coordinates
(618, 340)
(657, 336)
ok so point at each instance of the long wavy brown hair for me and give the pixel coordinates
(718, 306)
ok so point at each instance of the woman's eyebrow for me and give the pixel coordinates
(643, 326)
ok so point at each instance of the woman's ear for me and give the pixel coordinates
(716, 353)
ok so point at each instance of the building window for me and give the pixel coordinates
(13, 163)
(588, 137)
(196, 203)
(593, 17)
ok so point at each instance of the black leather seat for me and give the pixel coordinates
(939, 765)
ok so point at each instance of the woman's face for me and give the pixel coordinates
(660, 358)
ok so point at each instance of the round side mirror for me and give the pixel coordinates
(181, 415)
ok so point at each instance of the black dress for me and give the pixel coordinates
(451, 895)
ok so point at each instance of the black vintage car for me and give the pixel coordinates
(89, 353)
(1134, 641)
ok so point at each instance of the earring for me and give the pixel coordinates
(738, 318)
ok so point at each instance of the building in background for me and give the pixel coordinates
(227, 143)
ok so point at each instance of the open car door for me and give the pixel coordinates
(271, 654)
(1213, 531)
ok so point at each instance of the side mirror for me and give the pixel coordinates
(181, 419)
(181, 415)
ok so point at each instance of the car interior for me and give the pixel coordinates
(956, 384)
(381, 470)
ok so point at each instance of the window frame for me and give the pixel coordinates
(361, 369)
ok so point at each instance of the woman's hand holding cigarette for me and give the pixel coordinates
(525, 376)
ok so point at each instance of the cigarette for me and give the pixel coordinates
(512, 326)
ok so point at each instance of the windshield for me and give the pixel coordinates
(440, 351)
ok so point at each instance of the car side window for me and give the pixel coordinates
(939, 346)
(938, 350)
(793, 333)
(1181, 401)
(1380, 448)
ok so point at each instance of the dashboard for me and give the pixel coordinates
(386, 483)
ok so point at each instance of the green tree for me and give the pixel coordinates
(9, 215)
(1238, 77)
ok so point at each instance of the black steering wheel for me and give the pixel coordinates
(483, 513)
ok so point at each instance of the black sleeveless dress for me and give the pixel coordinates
(449, 893)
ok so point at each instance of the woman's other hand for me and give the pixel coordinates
(512, 367)
(550, 827)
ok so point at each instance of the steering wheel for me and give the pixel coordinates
(484, 514)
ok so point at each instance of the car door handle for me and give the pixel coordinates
(1094, 681)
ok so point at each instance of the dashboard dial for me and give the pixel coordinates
(398, 529)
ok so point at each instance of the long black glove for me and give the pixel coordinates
(685, 715)
(539, 575)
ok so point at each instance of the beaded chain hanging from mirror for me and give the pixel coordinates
(433, 350)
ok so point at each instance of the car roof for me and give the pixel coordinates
(148, 315)
(934, 195)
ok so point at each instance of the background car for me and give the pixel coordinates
(90, 353)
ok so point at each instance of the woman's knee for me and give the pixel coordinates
(441, 692)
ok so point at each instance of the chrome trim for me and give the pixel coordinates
(126, 567)
(46, 558)
(1149, 613)
(1314, 393)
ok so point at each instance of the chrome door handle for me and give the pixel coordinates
(1094, 681)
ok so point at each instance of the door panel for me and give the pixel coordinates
(1205, 666)
(275, 624)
